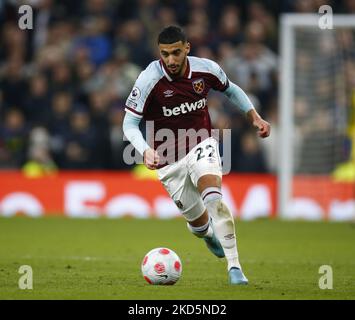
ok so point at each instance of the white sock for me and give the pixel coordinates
(202, 231)
(223, 225)
(225, 232)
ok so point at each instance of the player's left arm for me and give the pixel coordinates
(239, 98)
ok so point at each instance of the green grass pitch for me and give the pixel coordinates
(100, 259)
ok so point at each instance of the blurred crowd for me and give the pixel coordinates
(63, 84)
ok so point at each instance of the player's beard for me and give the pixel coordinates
(178, 68)
(174, 70)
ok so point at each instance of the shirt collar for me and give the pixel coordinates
(186, 75)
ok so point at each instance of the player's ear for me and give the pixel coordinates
(188, 47)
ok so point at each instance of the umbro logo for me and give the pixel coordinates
(168, 93)
(229, 236)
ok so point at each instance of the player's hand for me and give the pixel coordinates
(263, 127)
(151, 159)
(259, 123)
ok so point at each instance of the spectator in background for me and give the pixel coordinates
(61, 77)
(197, 29)
(58, 125)
(257, 12)
(99, 107)
(117, 143)
(239, 125)
(13, 139)
(44, 16)
(57, 48)
(37, 104)
(81, 143)
(84, 72)
(225, 52)
(98, 9)
(254, 66)
(39, 161)
(94, 41)
(305, 6)
(115, 78)
(318, 153)
(13, 83)
(14, 42)
(146, 14)
(229, 29)
(166, 16)
(131, 35)
(1, 105)
(1, 11)
(348, 6)
(251, 158)
(205, 52)
(125, 75)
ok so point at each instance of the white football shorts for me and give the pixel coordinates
(180, 178)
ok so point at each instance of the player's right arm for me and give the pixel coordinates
(136, 106)
(134, 135)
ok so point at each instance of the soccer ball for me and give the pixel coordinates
(161, 266)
